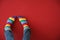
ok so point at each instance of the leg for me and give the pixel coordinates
(26, 32)
(8, 31)
(9, 35)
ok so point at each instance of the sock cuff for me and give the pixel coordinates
(7, 28)
(7, 25)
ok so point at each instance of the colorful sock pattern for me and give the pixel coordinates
(10, 21)
(23, 22)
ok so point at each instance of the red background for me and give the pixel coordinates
(43, 16)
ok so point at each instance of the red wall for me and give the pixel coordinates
(43, 15)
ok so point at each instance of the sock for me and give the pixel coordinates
(23, 22)
(10, 21)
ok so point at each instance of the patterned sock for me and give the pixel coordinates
(10, 21)
(23, 22)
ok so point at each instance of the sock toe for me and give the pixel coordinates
(11, 20)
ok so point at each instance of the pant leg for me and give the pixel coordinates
(26, 34)
(9, 35)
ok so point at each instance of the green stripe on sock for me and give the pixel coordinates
(26, 28)
(22, 20)
(11, 20)
(7, 27)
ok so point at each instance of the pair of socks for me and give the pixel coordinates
(8, 32)
(11, 21)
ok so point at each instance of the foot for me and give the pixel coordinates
(23, 22)
(10, 21)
